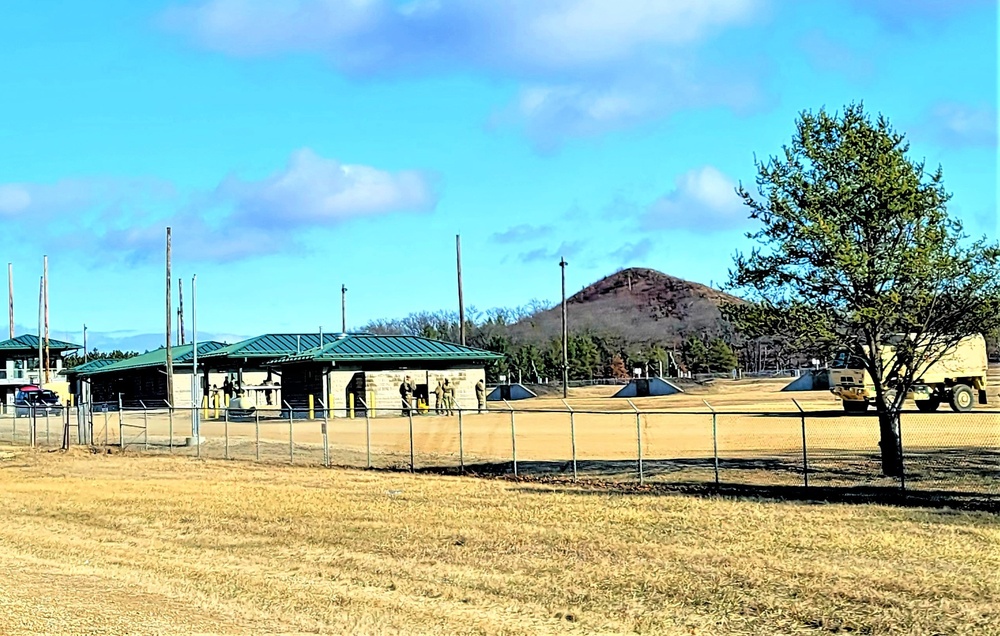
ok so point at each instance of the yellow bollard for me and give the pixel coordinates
(350, 406)
(329, 404)
(226, 398)
(204, 406)
(312, 413)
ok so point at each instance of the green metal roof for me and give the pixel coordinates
(272, 345)
(93, 365)
(29, 342)
(369, 348)
(182, 354)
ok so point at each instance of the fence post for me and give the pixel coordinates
(291, 434)
(326, 434)
(638, 440)
(409, 411)
(145, 426)
(225, 432)
(13, 432)
(170, 426)
(47, 442)
(256, 433)
(572, 434)
(368, 433)
(715, 442)
(461, 444)
(513, 436)
(805, 452)
(121, 424)
(105, 423)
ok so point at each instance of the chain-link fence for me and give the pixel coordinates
(942, 452)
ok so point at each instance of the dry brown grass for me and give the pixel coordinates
(117, 544)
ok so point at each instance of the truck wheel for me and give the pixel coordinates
(855, 406)
(962, 399)
(928, 406)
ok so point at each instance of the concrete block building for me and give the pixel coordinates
(365, 371)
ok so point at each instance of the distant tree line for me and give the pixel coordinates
(532, 356)
(75, 359)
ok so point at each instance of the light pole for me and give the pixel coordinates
(565, 332)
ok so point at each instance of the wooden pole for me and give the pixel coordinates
(461, 301)
(180, 310)
(10, 296)
(45, 289)
(170, 321)
(565, 331)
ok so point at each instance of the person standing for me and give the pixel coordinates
(481, 395)
(227, 389)
(439, 398)
(406, 395)
(449, 398)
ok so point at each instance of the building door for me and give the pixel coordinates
(356, 388)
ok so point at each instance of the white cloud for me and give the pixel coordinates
(960, 125)
(240, 219)
(585, 66)
(704, 200)
(313, 190)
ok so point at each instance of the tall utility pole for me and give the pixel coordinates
(85, 343)
(343, 310)
(170, 321)
(45, 288)
(41, 311)
(461, 302)
(10, 296)
(565, 331)
(195, 378)
(180, 311)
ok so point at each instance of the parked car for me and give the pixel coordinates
(35, 398)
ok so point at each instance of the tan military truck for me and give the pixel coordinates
(956, 378)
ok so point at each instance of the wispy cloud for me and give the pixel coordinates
(567, 249)
(521, 233)
(632, 253)
(896, 16)
(960, 125)
(584, 66)
(704, 200)
(238, 219)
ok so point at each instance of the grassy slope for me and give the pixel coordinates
(96, 544)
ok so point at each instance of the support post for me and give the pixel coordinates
(572, 435)
(715, 442)
(225, 433)
(638, 440)
(170, 424)
(343, 309)
(121, 424)
(145, 426)
(170, 322)
(805, 452)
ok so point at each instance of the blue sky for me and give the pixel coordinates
(297, 145)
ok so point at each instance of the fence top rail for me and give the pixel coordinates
(566, 410)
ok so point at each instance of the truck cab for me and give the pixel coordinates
(956, 377)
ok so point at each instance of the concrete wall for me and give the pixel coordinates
(383, 386)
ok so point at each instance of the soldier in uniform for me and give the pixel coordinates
(406, 394)
(449, 398)
(481, 395)
(439, 398)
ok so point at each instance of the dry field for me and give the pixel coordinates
(120, 544)
(759, 435)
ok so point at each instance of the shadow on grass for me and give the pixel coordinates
(966, 479)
